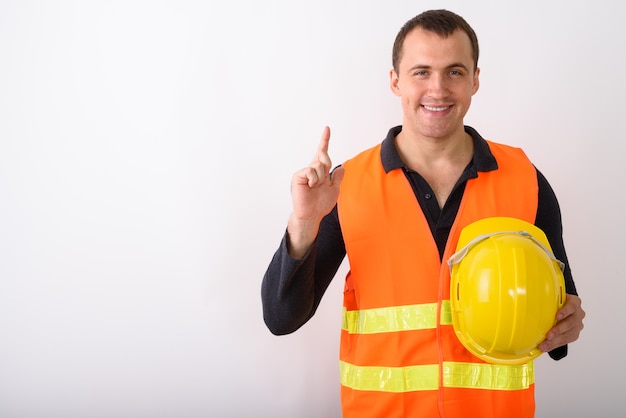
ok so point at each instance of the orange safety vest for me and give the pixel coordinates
(399, 355)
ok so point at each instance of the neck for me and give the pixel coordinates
(422, 153)
(440, 161)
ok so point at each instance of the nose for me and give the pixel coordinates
(438, 85)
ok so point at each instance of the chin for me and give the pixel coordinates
(436, 133)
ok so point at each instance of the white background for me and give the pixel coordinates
(146, 149)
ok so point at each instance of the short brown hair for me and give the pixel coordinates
(442, 22)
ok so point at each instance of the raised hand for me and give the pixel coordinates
(314, 193)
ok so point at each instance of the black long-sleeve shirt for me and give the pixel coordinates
(292, 288)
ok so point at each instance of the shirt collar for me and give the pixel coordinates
(483, 159)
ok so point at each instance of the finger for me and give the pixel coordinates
(322, 149)
(307, 175)
(336, 176)
(572, 323)
(566, 330)
(572, 304)
(319, 174)
(324, 140)
(559, 340)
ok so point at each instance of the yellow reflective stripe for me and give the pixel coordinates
(390, 379)
(396, 318)
(426, 377)
(488, 376)
(446, 313)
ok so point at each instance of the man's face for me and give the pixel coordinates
(435, 82)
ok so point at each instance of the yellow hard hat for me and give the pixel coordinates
(506, 287)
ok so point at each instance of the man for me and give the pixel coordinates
(397, 211)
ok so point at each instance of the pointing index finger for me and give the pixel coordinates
(323, 146)
(322, 150)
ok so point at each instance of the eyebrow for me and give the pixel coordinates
(428, 67)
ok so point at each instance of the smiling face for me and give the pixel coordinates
(435, 81)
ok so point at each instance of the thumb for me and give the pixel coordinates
(336, 176)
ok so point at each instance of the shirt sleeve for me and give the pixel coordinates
(549, 221)
(292, 289)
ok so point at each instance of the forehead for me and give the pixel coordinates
(422, 47)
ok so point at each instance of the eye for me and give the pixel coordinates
(455, 73)
(420, 73)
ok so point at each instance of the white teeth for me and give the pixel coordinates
(436, 109)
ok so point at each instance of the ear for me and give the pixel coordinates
(393, 82)
(476, 82)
